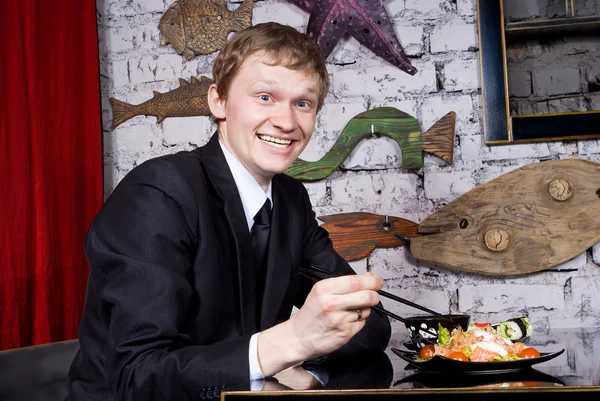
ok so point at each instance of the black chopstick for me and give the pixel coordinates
(310, 275)
(327, 273)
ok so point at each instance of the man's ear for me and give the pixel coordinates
(215, 103)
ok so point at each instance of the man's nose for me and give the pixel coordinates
(284, 118)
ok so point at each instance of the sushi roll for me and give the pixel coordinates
(514, 329)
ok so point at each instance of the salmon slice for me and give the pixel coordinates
(482, 355)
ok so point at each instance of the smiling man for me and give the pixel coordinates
(194, 257)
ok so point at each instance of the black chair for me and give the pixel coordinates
(37, 373)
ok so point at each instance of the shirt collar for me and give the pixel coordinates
(252, 195)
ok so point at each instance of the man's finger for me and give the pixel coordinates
(349, 284)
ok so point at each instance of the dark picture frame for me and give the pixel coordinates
(499, 127)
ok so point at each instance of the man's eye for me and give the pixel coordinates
(265, 98)
(302, 104)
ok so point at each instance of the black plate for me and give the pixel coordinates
(522, 378)
(443, 364)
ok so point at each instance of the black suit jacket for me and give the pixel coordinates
(170, 305)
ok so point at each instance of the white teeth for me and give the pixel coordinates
(279, 143)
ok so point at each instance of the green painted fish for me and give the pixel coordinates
(393, 123)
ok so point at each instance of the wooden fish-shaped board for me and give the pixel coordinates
(525, 221)
(356, 235)
(196, 27)
(393, 123)
(188, 100)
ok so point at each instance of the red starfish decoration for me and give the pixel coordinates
(366, 20)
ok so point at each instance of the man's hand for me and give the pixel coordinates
(296, 378)
(334, 311)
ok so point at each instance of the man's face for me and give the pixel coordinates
(268, 117)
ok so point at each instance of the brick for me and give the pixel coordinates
(594, 102)
(112, 8)
(411, 38)
(426, 9)
(497, 297)
(371, 154)
(436, 107)
(386, 190)
(394, 7)
(520, 107)
(120, 72)
(519, 83)
(403, 275)
(133, 139)
(596, 254)
(559, 81)
(461, 75)
(141, 70)
(381, 82)
(515, 10)
(566, 105)
(269, 11)
(466, 7)
(168, 67)
(178, 130)
(524, 50)
(473, 148)
(146, 37)
(453, 36)
(447, 185)
(149, 6)
(118, 39)
(489, 173)
(317, 191)
(585, 298)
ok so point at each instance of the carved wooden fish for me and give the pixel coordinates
(356, 235)
(188, 100)
(393, 123)
(527, 220)
(196, 27)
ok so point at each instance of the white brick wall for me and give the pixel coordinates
(453, 36)
(441, 32)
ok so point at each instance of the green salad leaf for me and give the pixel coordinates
(443, 335)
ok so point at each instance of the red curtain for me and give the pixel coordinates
(51, 170)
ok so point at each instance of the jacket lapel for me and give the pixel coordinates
(220, 175)
(279, 259)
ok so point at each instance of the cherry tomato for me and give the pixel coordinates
(427, 352)
(458, 356)
(529, 353)
(481, 325)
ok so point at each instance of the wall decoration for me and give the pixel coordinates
(366, 20)
(525, 221)
(356, 235)
(188, 100)
(499, 126)
(390, 122)
(197, 27)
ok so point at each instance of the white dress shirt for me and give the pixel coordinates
(253, 197)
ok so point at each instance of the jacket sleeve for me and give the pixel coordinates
(318, 250)
(141, 249)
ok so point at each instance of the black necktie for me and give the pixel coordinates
(260, 239)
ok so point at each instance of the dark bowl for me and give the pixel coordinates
(423, 330)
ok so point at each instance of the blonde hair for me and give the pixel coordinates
(281, 43)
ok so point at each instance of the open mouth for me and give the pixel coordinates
(276, 142)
